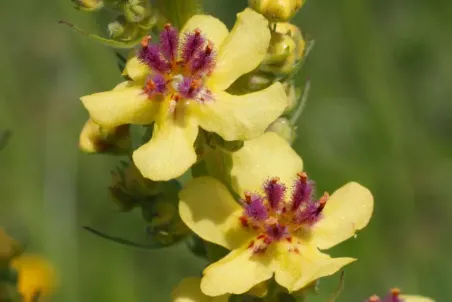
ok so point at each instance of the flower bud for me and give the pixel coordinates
(130, 189)
(215, 141)
(89, 5)
(276, 10)
(283, 128)
(161, 213)
(94, 139)
(135, 11)
(286, 49)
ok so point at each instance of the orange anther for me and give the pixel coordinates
(275, 180)
(395, 292)
(251, 245)
(209, 48)
(302, 176)
(145, 41)
(248, 197)
(168, 26)
(323, 201)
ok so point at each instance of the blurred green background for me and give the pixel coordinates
(380, 112)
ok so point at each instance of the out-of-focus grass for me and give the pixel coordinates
(379, 113)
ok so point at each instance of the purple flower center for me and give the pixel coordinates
(179, 65)
(277, 216)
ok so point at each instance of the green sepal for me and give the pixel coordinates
(197, 246)
(215, 142)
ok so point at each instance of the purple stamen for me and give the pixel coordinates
(188, 88)
(160, 83)
(256, 209)
(203, 61)
(193, 44)
(155, 85)
(302, 191)
(151, 56)
(277, 231)
(308, 215)
(393, 296)
(275, 192)
(169, 42)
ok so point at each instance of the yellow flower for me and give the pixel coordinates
(276, 10)
(188, 290)
(395, 296)
(179, 86)
(37, 277)
(277, 227)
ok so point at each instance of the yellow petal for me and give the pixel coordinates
(242, 50)
(209, 210)
(236, 273)
(242, 117)
(406, 298)
(296, 270)
(36, 276)
(134, 68)
(188, 290)
(348, 210)
(211, 28)
(122, 106)
(170, 152)
(262, 158)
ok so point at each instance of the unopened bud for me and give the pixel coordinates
(130, 189)
(283, 128)
(116, 29)
(89, 5)
(95, 139)
(136, 11)
(162, 216)
(215, 141)
(276, 10)
(286, 49)
(124, 31)
(253, 81)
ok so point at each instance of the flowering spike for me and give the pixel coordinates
(302, 192)
(169, 42)
(150, 55)
(193, 44)
(275, 192)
